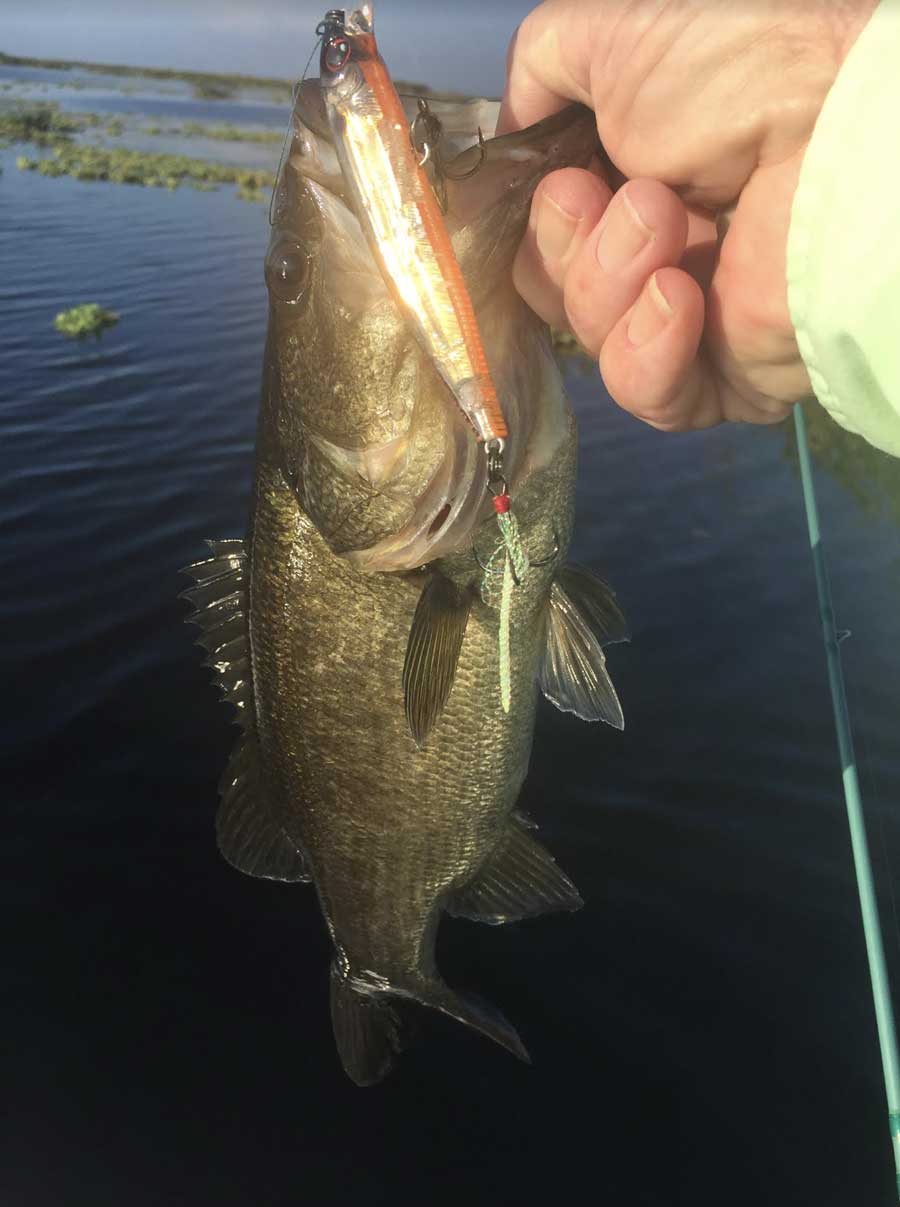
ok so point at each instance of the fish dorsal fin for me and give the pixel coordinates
(219, 599)
(520, 880)
(582, 617)
(432, 652)
(249, 836)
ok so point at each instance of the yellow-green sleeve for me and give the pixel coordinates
(843, 253)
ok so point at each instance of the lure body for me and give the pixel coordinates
(401, 216)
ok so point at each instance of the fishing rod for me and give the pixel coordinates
(881, 992)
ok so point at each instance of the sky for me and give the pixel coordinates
(452, 44)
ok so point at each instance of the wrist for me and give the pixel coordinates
(852, 16)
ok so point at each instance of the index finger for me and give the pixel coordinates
(547, 64)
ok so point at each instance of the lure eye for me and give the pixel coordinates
(287, 271)
(336, 54)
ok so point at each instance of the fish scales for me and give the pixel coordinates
(384, 846)
(375, 758)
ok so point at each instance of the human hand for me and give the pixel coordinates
(672, 274)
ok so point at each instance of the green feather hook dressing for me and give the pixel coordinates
(516, 562)
(515, 566)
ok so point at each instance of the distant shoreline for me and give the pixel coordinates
(204, 80)
(206, 84)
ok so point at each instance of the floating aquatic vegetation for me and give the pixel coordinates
(44, 124)
(122, 166)
(245, 193)
(87, 319)
(226, 132)
(213, 90)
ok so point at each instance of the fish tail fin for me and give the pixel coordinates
(474, 1012)
(369, 1034)
(366, 1031)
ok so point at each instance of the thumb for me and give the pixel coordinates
(547, 64)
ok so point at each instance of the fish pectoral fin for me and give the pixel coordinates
(521, 879)
(432, 652)
(248, 835)
(582, 617)
(367, 1031)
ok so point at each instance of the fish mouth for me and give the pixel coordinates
(487, 184)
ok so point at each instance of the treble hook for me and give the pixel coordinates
(425, 134)
(482, 155)
(544, 561)
(430, 134)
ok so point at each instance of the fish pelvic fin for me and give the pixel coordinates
(367, 1030)
(521, 879)
(582, 617)
(248, 833)
(432, 652)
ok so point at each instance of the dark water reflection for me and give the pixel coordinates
(702, 1031)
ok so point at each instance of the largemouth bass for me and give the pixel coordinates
(357, 629)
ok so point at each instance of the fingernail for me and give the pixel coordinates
(555, 229)
(623, 235)
(649, 315)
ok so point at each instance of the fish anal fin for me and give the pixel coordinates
(432, 652)
(582, 616)
(521, 879)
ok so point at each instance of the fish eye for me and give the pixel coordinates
(287, 271)
(336, 54)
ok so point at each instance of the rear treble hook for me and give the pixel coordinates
(425, 133)
(482, 155)
(486, 567)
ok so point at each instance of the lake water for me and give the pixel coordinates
(702, 1031)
